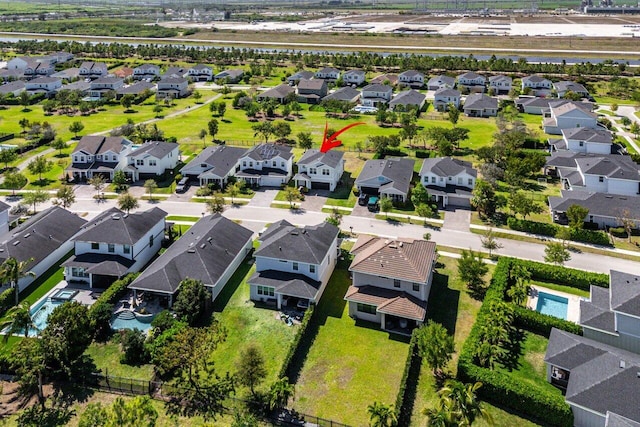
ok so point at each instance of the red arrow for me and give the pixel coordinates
(332, 142)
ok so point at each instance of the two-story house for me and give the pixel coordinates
(229, 76)
(100, 86)
(565, 86)
(568, 115)
(536, 85)
(353, 78)
(146, 72)
(449, 181)
(344, 94)
(295, 78)
(14, 88)
(390, 177)
(312, 91)
(211, 252)
(175, 72)
(584, 140)
(411, 78)
(113, 244)
(214, 165)
(441, 82)
(319, 170)
(471, 82)
(92, 70)
(445, 97)
(46, 85)
(407, 100)
(608, 174)
(135, 89)
(268, 165)
(154, 158)
(293, 265)
(100, 155)
(172, 88)
(480, 105)
(375, 94)
(4, 217)
(500, 85)
(389, 79)
(38, 68)
(200, 73)
(328, 73)
(391, 281)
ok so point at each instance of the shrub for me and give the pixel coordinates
(564, 276)
(133, 349)
(423, 154)
(542, 323)
(293, 348)
(404, 400)
(618, 232)
(115, 291)
(596, 237)
(7, 300)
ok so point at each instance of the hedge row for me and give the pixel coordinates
(542, 324)
(293, 348)
(7, 300)
(116, 291)
(404, 400)
(564, 276)
(596, 237)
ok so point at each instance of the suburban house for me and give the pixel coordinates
(441, 82)
(45, 85)
(229, 76)
(536, 85)
(101, 155)
(612, 315)
(386, 79)
(391, 281)
(390, 177)
(38, 68)
(280, 93)
(565, 86)
(293, 265)
(327, 73)
(12, 88)
(344, 94)
(135, 89)
(200, 73)
(500, 85)
(408, 99)
(541, 106)
(92, 70)
(45, 237)
(312, 91)
(599, 381)
(412, 78)
(80, 86)
(445, 96)
(100, 86)
(566, 116)
(480, 105)
(612, 174)
(123, 72)
(211, 251)
(354, 78)
(449, 181)
(10, 75)
(214, 165)
(295, 78)
(172, 87)
(113, 244)
(471, 82)
(24, 62)
(376, 94)
(584, 140)
(267, 165)
(318, 170)
(605, 210)
(154, 158)
(146, 71)
(175, 72)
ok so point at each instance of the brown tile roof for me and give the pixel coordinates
(388, 301)
(406, 259)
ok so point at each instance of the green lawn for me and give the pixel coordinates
(182, 218)
(349, 365)
(106, 356)
(560, 288)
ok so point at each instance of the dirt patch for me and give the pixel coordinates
(11, 402)
(344, 380)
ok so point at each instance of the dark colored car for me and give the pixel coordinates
(373, 205)
(363, 199)
(183, 185)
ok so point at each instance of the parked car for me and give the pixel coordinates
(183, 185)
(373, 204)
(363, 199)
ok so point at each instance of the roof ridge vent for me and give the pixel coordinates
(191, 251)
(622, 364)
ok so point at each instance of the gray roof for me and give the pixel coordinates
(470, 75)
(45, 80)
(157, 149)
(601, 136)
(619, 167)
(103, 264)
(221, 159)
(302, 74)
(68, 73)
(174, 71)
(4, 206)
(408, 97)
(499, 78)
(292, 284)
(147, 67)
(534, 79)
(40, 235)
(269, 151)
(330, 158)
(445, 80)
(327, 70)
(136, 88)
(94, 144)
(274, 228)
(80, 85)
(280, 91)
(356, 72)
(625, 292)
(599, 204)
(602, 378)
(615, 420)
(12, 87)
(346, 93)
(377, 87)
(203, 253)
(447, 166)
(479, 101)
(94, 66)
(564, 86)
(309, 244)
(411, 73)
(172, 80)
(199, 67)
(311, 84)
(447, 92)
(567, 159)
(233, 73)
(595, 312)
(114, 226)
(397, 171)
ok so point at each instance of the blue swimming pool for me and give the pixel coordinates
(553, 305)
(39, 314)
(129, 320)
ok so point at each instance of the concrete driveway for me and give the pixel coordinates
(457, 219)
(264, 197)
(314, 200)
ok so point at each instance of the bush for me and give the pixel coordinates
(115, 291)
(541, 324)
(595, 237)
(404, 400)
(563, 276)
(100, 315)
(423, 154)
(618, 232)
(133, 349)
(293, 348)
(7, 300)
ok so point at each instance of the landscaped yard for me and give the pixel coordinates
(106, 357)
(349, 365)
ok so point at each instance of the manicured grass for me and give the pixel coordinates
(349, 365)
(560, 288)
(182, 218)
(106, 356)
(247, 324)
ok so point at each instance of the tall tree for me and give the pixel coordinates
(34, 198)
(453, 114)
(234, 190)
(66, 196)
(14, 181)
(58, 144)
(150, 185)
(471, 269)
(425, 211)
(576, 215)
(304, 140)
(191, 301)
(627, 220)
(40, 165)
(8, 156)
(215, 204)
(251, 369)
(521, 204)
(76, 127)
(280, 392)
(127, 201)
(484, 198)
(263, 129)
(458, 406)
(381, 415)
(435, 346)
(67, 335)
(292, 194)
(420, 195)
(98, 182)
(519, 290)
(556, 253)
(213, 128)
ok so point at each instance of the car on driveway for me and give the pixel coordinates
(373, 204)
(183, 185)
(363, 199)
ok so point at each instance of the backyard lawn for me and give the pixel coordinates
(349, 365)
(106, 357)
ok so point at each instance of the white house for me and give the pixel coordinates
(500, 85)
(605, 210)
(92, 70)
(200, 73)
(320, 170)
(4, 217)
(449, 181)
(565, 86)
(146, 71)
(471, 82)
(353, 77)
(585, 140)
(376, 94)
(328, 73)
(102, 155)
(113, 244)
(154, 158)
(567, 116)
(608, 174)
(172, 87)
(267, 165)
(293, 265)
(536, 85)
(46, 85)
(391, 281)
(214, 165)
(411, 78)
(100, 86)
(443, 97)
(38, 68)
(441, 82)
(389, 177)
(229, 76)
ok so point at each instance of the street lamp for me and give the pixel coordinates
(351, 228)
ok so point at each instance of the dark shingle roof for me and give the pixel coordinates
(12, 86)
(445, 80)
(309, 244)
(313, 84)
(470, 75)
(221, 158)
(411, 73)
(330, 158)
(589, 135)
(447, 166)
(296, 285)
(408, 97)
(157, 149)
(203, 253)
(447, 92)
(534, 79)
(114, 226)
(569, 85)
(346, 93)
(397, 171)
(269, 151)
(136, 88)
(94, 144)
(105, 264)
(478, 101)
(303, 74)
(599, 204)
(377, 87)
(615, 420)
(625, 292)
(280, 91)
(620, 167)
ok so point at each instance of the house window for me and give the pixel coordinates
(433, 179)
(581, 143)
(139, 162)
(95, 245)
(366, 308)
(273, 163)
(295, 266)
(601, 178)
(126, 249)
(265, 290)
(151, 240)
(312, 268)
(416, 287)
(459, 180)
(441, 179)
(450, 178)
(75, 158)
(111, 247)
(396, 283)
(325, 171)
(313, 171)
(470, 182)
(282, 165)
(244, 164)
(152, 162)
(250, 164)
(79, 272)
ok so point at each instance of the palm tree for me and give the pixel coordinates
(381, 415)
(17, 320)
(461, 399)
(13, 270)
(280, 392)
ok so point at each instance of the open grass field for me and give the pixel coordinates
(349, 365)
(106, 357)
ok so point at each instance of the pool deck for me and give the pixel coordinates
(85, 296)
(573, 306)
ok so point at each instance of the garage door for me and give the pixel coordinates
(462, 202)
(271, 181)
(369, 190)
(320, 185)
